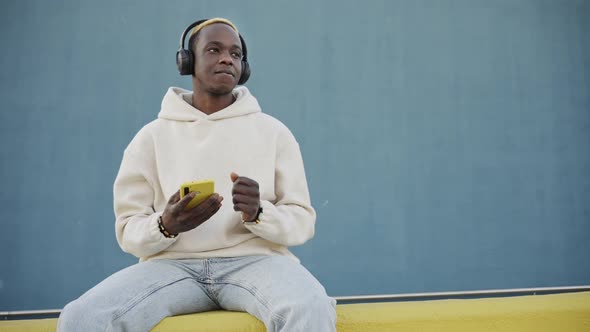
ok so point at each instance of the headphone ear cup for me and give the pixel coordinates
(245, 73)
(184, 62)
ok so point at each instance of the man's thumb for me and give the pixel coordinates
(233, 176)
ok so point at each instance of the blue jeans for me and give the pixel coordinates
(275, 289)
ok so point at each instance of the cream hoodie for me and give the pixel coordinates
(185, 144)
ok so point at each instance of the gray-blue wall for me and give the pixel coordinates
(446, 142)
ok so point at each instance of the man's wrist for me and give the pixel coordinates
(163, 229)
(256, 219)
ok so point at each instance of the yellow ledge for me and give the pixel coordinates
(556, 312)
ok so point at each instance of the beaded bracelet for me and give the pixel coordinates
(164, 231)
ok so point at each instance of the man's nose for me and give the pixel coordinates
(225, 58)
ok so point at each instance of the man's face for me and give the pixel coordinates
(218, 59)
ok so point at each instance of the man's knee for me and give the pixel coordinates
(320, 305)
(71, 317)
(78, 316)
(315, 308)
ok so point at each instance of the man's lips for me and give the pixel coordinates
(227, 72)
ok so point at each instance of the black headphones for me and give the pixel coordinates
(185, 58)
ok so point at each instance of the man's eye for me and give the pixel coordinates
(236, 55)
(213, 50)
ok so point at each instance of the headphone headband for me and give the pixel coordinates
(183, 36)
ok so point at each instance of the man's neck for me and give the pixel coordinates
(209, 104)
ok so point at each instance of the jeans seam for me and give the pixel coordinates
(252, 290)
(137, 299)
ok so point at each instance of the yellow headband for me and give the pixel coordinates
(211, 21)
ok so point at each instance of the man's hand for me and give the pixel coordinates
(177, 220)
(246, 196)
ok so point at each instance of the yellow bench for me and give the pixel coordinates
(556, 312)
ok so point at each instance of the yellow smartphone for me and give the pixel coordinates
(203, 189)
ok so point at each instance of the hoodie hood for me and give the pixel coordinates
(177, 106)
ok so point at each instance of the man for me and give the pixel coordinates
(230, 251)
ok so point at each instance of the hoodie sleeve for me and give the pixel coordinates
(136, 221)
(291, 220)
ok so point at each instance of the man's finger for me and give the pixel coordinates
(246, 208)
(233, 176)
(211, 201)
(174, 198)
(181, 204)
(242, 180)
(249, 200)
(211, 211)
(244, 190)
(197, 220)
